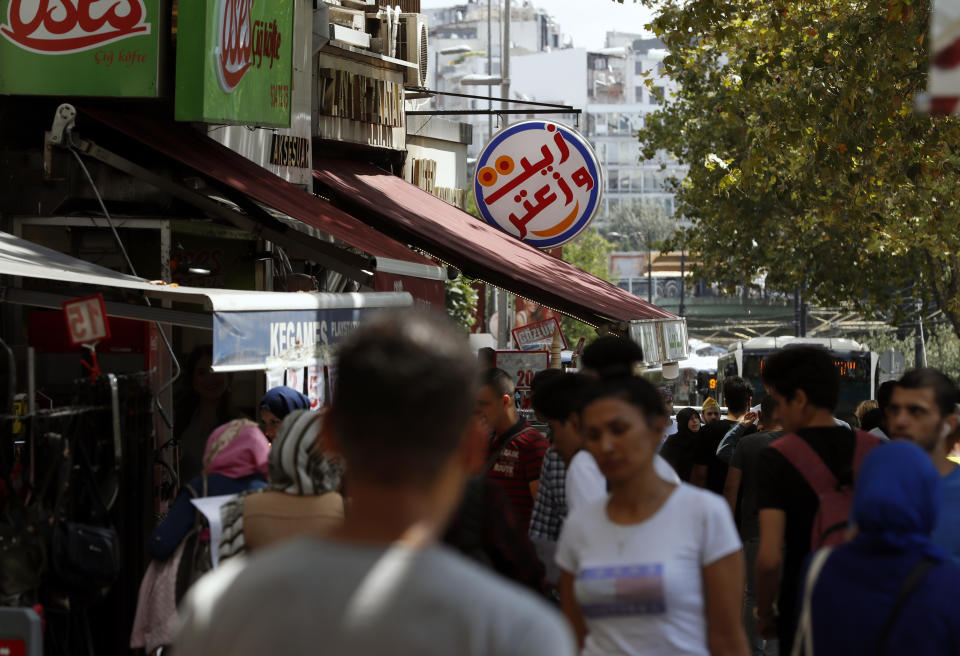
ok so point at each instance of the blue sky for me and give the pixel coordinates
(586, 21)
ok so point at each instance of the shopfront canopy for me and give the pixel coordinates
(211, 159)
(411, 215)
(251, 330)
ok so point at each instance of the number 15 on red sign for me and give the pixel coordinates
(86, 320)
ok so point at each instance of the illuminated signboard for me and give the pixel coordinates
(538, 181)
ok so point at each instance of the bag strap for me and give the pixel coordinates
(865, 443)
(910, 584)
(803, 642)
(806, 461)
(505, 442)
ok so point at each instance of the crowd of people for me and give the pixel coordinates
(422, 514)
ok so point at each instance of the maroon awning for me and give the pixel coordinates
(413, 216)
(180, 142)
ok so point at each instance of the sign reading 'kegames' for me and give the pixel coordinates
(235, 62)
(80, 47)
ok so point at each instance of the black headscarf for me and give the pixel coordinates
(678, 450)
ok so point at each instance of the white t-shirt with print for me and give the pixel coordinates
(640, 587)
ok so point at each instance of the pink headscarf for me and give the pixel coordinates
(236, 449)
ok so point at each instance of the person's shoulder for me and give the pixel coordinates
(587, 516)
(691, 496)
(487, 591)
(531, 437)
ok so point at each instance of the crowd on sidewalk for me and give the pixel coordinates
(421, 514)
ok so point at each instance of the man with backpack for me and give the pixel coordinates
(805, 481)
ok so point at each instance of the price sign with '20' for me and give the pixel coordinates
(86, 320)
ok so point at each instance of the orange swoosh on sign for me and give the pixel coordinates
(560, 227)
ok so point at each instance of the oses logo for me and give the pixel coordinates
(545, 202)
(68, 26)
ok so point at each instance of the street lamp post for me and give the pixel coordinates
(451, 50)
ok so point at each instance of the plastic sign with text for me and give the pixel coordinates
(537, 335)
(943, 77)
(522, 365)
(234, 62)
(538, 181)
(86, 320)
(80, 47)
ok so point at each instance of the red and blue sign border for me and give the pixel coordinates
(573, 138)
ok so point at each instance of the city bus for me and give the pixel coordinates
(856, 362)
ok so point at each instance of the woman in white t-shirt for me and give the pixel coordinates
(655, 568)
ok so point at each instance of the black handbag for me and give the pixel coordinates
(83, 556)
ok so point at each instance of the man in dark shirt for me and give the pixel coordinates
(516, 447)
(806, 385)
(709, 471)
(742, 485)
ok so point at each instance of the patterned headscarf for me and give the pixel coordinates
(297, 462)
(236, 449)
(297, 466)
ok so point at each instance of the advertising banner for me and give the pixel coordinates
(522, 365)
(538, 181)
(89, 48)
(427, 294)
(235, 62)
(538, 335)
(283, 339)
(943, 79)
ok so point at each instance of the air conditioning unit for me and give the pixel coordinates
(411, 45)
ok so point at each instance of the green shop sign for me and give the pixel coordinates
(80, 47)
(235, 61)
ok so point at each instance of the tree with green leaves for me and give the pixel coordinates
(807, 162)
(637, 225)
(590, 252)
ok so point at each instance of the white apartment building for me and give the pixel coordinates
(608, 84)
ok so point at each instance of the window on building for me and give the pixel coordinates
(613, 180)
(656, 95)
(638, 67)
(638, 94)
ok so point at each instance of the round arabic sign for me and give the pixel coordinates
(538, 181)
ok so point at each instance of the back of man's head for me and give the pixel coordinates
(944, 391)
(737, 393)
(499, 381)
(884, 394)
(404, 393)
(542, 377)
(559, 397)
(768, 410)
(610, 356)
(807, 368)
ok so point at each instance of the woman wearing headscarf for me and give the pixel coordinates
(302, 496)
(276, 404)
(679, 447)
(889, 590)
(234, 461)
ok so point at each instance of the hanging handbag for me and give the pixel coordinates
(84, 557)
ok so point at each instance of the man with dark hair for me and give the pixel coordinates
(379, 584)
(923, 409)
(742, 486)
(709, 471)
(516, 448)
(806, 386)
(611, 356)
(884, 392)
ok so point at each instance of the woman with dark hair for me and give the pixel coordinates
(276, 404)
(203, 403)
(679, 447)
(655, 568)
(889, 590)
